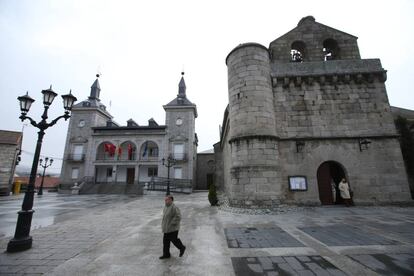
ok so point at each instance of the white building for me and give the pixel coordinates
(110, 158)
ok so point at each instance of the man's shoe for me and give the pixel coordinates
(182, 251)
(164, 257)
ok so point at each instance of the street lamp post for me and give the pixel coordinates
(46, 165)
(170, 162)
(22, 239)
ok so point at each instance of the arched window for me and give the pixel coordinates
(149, 150)
(127, 151)
(330, 49)
(105, 151)
(297, 51)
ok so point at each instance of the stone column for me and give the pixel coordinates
(114, 173)
(136, 176)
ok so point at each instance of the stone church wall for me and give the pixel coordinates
(375, 175)
(324, 104)
(287, 117)
(311, 36)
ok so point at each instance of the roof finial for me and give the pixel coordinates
(181, 86)
(95, 88)
(98, 71)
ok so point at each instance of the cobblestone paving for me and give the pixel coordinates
(387, 264)
(50, 208)
(123, 238)
(55, 244)
(345, 235)
(284, 265)
(251, 237)
(279, 209)
(404, 230)
(51, 247)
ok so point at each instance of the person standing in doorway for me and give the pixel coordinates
(333, 186)
(170, 225)
(345, 194)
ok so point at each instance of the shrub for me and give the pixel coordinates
(212, 195)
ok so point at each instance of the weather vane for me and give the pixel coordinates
(98, 70)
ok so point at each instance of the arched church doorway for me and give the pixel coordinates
(330, 173)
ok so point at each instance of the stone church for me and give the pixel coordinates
(304, 113)
(106, 157)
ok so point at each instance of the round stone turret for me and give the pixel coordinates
(254, 172)
(251, 107)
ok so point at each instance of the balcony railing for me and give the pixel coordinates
(176, 185)
(76, 157)
(125, 158)
(149, 158)
(107, 157)
(180, 156)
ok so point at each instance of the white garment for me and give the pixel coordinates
(344, 188)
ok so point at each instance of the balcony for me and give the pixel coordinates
(76, 157)
(105, 157)
(126, 159)
(180, 157)
(149, 158)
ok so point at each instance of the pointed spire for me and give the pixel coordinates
(95, 89)
(181, 87)
(181, 99)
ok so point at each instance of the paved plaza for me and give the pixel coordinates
(51, 208)
(120, 235)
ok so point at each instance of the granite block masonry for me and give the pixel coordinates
(304, 113)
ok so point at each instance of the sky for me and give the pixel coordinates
(140, 49)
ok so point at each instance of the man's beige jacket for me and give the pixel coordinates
(171, 219)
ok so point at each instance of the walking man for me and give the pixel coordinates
(170, 225)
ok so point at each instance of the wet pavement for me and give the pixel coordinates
(284, 265)
(50, 208)
(115, 235)
(252, 237)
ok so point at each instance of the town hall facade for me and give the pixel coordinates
(105, 157)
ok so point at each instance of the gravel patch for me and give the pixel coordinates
(280, 209)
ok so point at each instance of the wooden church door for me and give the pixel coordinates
(324, 184)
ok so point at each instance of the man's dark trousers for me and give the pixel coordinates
(171, 237)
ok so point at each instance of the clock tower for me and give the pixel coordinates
(181, 137)
(78, 148)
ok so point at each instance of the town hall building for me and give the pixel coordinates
(105, 157)
(304, 113)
